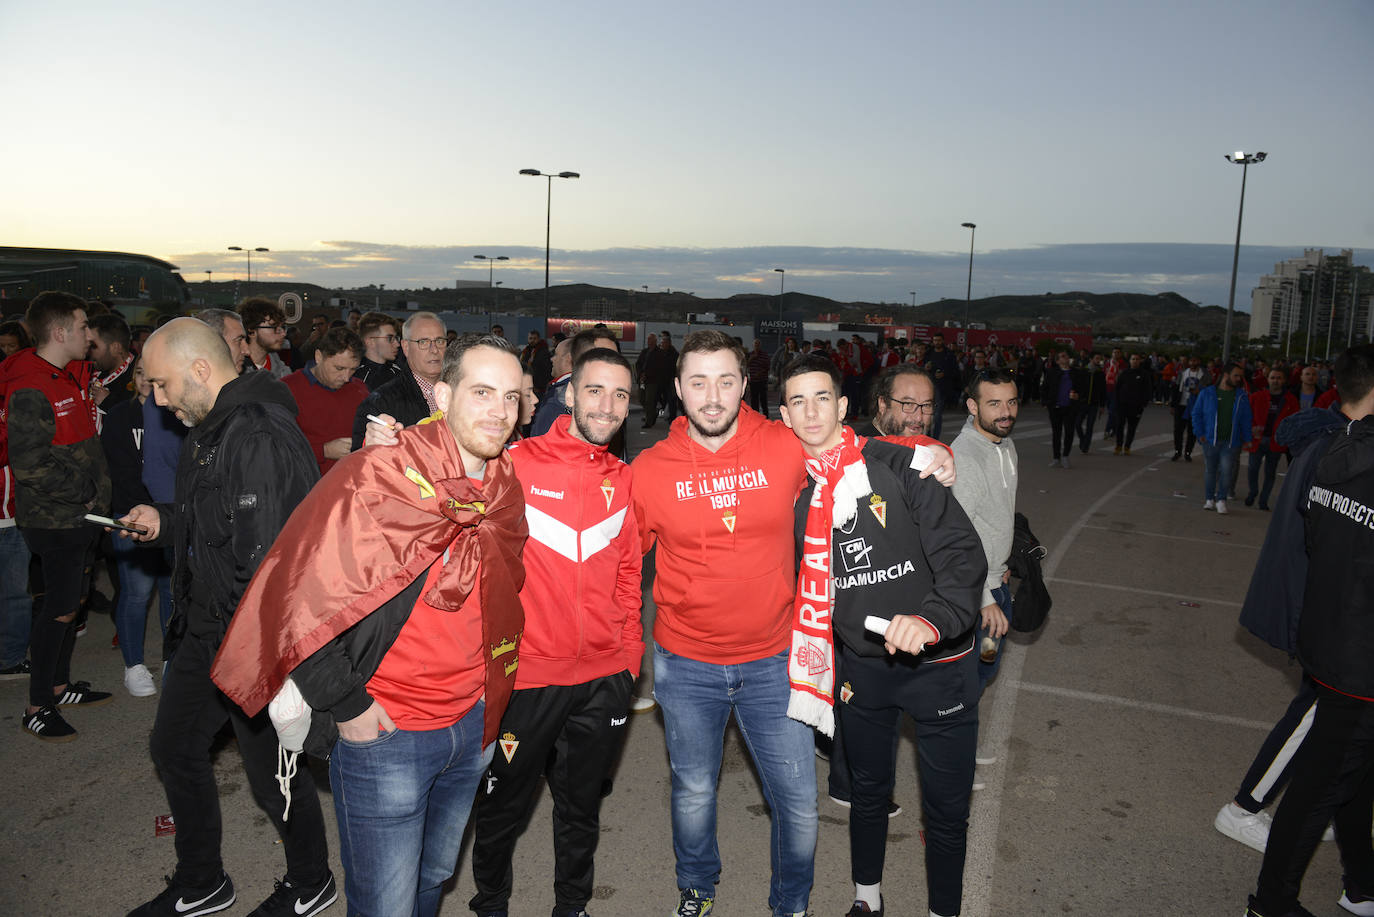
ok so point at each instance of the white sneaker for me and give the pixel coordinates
(1064, 462)
(1251, 829)
(985, 759)
(138, 681)
(1363, 908)
(1221, 507)
(1054, 463)
(1210, 504)
(642, 704)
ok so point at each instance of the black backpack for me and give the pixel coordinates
(1032, 601)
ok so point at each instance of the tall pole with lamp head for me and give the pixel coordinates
(548, 225)
(968, 290)
(1244, 160)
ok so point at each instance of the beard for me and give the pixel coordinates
(990, 425)
(711, 428)
(590, 433)
(195, 403)
(895, 423)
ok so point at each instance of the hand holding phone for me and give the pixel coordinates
(115, 525)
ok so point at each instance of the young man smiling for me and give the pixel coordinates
(891, 570)
(716, 498)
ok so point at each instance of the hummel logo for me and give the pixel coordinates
(183, 905)
(618, 720)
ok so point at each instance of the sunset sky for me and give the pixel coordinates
(381, 143)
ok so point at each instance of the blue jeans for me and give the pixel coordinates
(1265, 456)
(1220, 471)
(16, 605)
(988, 670)
(140, 569)
(697, 699)
(403, 801)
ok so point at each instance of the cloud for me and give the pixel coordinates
(1200, 272)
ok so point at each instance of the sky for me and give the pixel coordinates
(367, 143)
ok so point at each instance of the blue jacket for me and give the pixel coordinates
(1273, 603)
(1204, 417)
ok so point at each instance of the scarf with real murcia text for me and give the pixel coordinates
(841, 479)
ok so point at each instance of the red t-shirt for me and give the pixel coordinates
(435, 672)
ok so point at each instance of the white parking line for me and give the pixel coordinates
(1167, 595)
(985, 814)
(1209, 541)
(1165, 709)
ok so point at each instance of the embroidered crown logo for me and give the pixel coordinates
(846, 692)
(607, 491)
(728, 517)
(879, 507)
(508, 745)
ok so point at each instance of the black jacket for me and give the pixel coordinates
(1336, 634)
(122, 438)
(242, 471)
(1094, 387)
(1134, 388)
(334, 679)
(401, 398)
(922, 557)
(1273, 603)
(375, 375)
(1078, 382)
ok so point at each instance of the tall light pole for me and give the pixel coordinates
(968, 290)
(207, 276)
(249, 251)
(491, 267)
(782, 279)
(1244, 160)
(548, 224)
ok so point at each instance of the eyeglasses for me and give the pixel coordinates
(913, 407)
(389, 338)
(429, 343)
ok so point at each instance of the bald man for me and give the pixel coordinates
(245, 466)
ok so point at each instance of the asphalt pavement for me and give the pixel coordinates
(1119, 729)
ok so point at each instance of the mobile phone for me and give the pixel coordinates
(112, 524)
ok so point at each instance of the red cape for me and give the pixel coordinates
(370, 528)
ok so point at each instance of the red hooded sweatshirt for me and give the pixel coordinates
(726, 565)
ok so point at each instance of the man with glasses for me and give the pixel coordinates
(409, 397)
(904, 402)
(381, 342)
(265, 324)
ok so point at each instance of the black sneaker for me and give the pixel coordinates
(20, 670)
(860, 908)
(181, 901)
(80, 694)
(47, 724)
(1297, 911)
(289, 900)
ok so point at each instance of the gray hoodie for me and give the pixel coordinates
(985, 487)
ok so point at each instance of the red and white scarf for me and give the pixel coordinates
(841, 479)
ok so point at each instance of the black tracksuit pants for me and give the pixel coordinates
(190, 713)
(942, 697)
(1183, 423)
(1333, 775)
(570, 734)
(1273, 765)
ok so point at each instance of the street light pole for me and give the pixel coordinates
(249, 251)
(1244, 160)
(491, 267)
(968, 290)
(782, 278)
(548, 224)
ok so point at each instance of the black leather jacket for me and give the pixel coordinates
(242, 471)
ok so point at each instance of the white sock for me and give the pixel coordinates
(870, 895)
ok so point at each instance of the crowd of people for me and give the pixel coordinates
(417, 555)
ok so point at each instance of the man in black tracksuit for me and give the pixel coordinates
(1333, 773)
(910, 555)
(244, 467)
